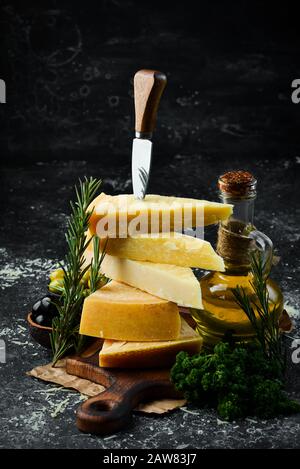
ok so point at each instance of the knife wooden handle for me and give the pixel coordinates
(148, 88)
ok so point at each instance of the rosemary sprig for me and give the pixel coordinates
(264, 318)
(96, 278)
(64, 334)
(96, 281)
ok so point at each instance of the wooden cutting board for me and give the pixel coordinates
(111, 410)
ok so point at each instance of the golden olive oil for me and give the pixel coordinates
(222, 314)
(236, 238)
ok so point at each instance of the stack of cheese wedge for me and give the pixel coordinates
(137, 312)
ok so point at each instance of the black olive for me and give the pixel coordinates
(46, 302)
(44, 310)
(43, 320)
(36, 306)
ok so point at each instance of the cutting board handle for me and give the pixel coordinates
(103, 414)
(148, 88)
(111, 410)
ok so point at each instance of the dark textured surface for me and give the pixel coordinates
(69, 112)
(69, 70)
(32, 240)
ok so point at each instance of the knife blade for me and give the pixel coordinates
(148, 88)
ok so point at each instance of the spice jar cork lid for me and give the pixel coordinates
(237, 183)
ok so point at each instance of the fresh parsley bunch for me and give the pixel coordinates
(240, 380)
(237, 381)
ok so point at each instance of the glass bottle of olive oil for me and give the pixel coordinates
(236, 237)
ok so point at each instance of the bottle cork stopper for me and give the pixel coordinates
(237, 183)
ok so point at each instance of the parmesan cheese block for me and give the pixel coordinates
(118, 311)
(120, 215)
(122, 354)
(166, 248)
(170, 282)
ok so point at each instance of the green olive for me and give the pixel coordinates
(85, 278)
(101, 283)
(56, 274)
(86, 292)
(55, 286)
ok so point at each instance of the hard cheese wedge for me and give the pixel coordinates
(166, 248)
(120, 215)
(122, 354)
(118, 311)
(173, 283)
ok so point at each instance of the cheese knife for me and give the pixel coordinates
(148, 88)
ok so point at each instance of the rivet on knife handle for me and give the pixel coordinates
(148, 88)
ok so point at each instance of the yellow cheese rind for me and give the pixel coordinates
(120, 210)
(166, 248)
(122, 354)
(118, 311)
(170, 282)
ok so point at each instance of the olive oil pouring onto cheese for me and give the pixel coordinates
(237, 238)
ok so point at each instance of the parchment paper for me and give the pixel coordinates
(58, 375)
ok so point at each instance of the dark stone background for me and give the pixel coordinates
(68, 69)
